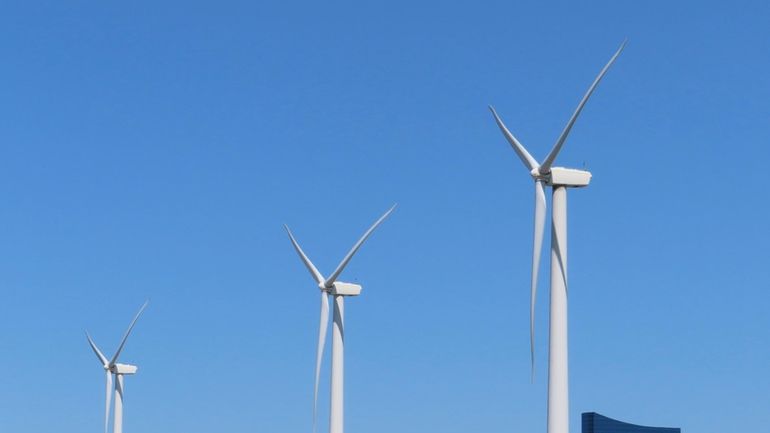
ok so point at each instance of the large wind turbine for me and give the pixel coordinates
(559, 179)
(330, 286)
(113, 368)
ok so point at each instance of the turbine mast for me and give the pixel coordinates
(558, 365)
(118, 412)
(337, 406)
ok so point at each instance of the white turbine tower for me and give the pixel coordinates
(113, 368)
(559, 179)
(330, 286)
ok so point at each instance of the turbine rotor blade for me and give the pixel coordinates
(525, 157)
(108, 401)
(333, 277)
(308, 264)
(324, 324)
(99, 354)
(537, 245)
(546, 166)
(128, 332)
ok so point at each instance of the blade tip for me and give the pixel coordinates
(621, 48)
(290, 234)
(144, 306)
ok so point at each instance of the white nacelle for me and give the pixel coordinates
(568, 177)
(125, 369)
(346, 289)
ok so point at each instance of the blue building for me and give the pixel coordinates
(595, 423)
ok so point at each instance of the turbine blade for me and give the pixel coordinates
(108, 401)
(546, 166)
(99, 354)
(333, 277)
(320, 349)
(525, 157)
(308, 264)
(537, 245)
(128, 332)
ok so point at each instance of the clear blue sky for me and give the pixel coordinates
(153, 150)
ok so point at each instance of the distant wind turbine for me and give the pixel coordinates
(559, 179)
(330, 286)
(113, 368)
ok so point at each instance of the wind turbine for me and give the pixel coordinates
(113, 368)
(559, 179)
(330, 286)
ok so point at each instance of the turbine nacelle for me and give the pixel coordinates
(124, 369)
(570, 177)
(561, 176)
(345, 289)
